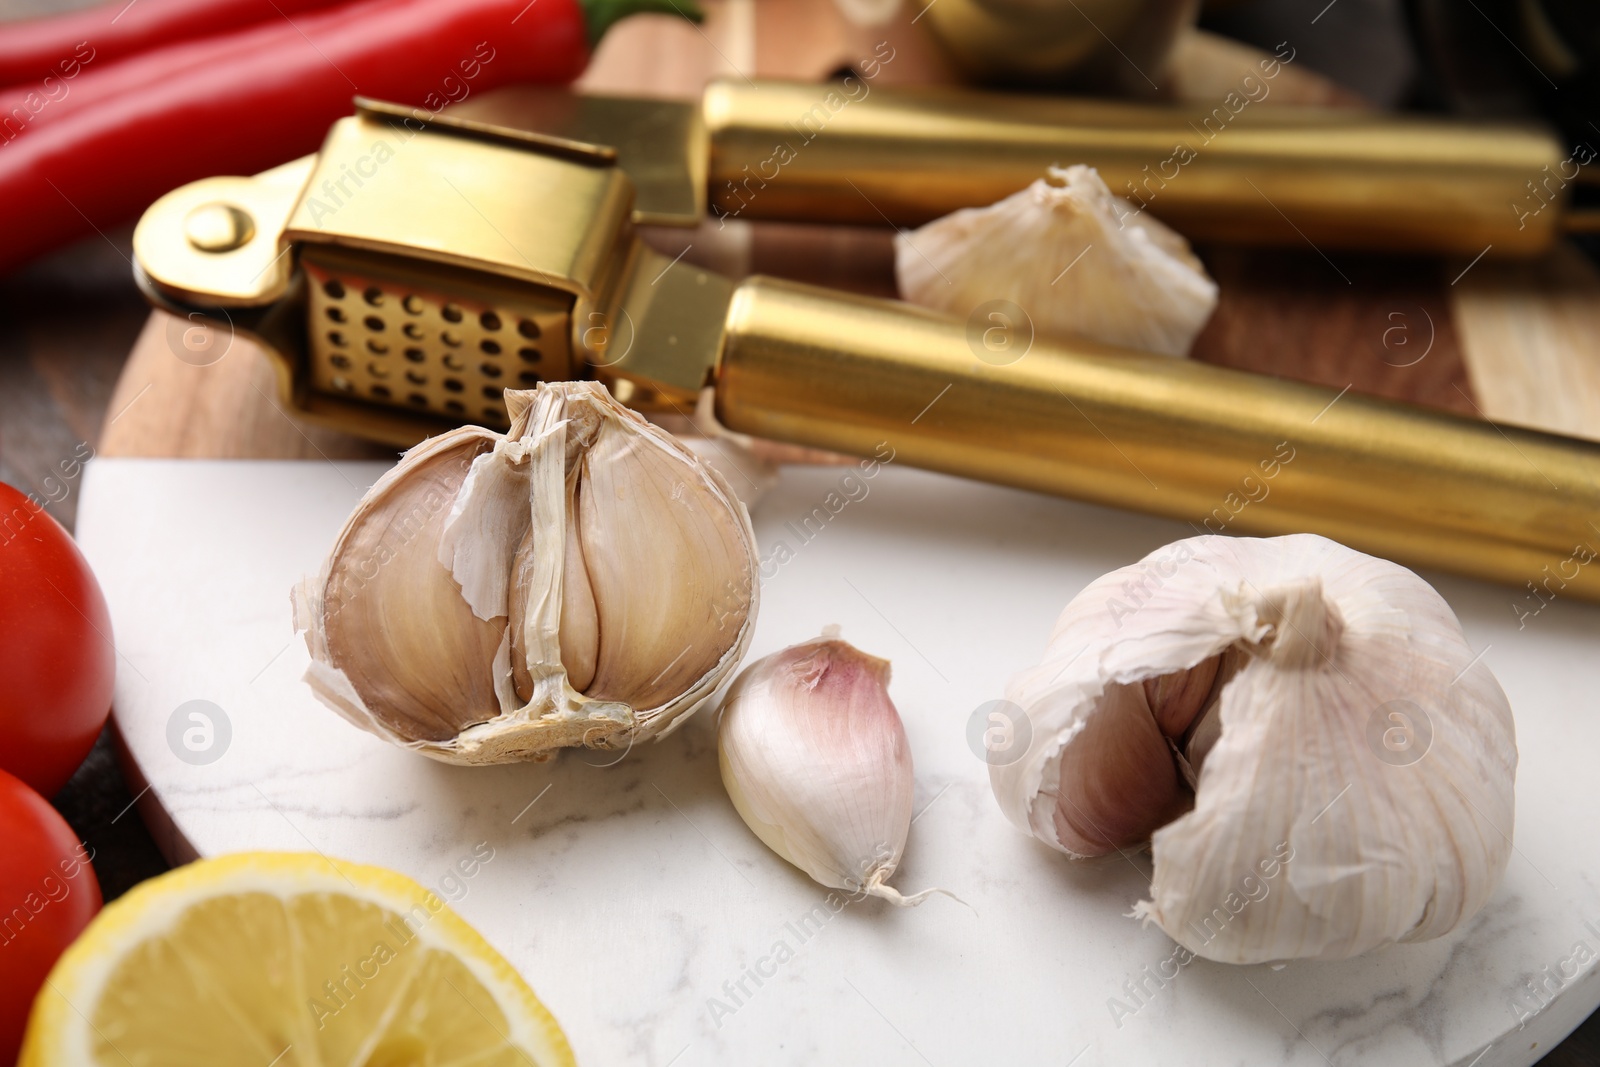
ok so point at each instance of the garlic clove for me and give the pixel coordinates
(816, 761)
(1306, 837)
(1117, 780)
(657, 636)
(414, 648)
(1176, 700)
(1076, 259)
(580, 615)
(580, 580)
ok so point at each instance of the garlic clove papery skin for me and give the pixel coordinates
(582, 579)
(816, 761)
(1305, 837)
(1079, 261)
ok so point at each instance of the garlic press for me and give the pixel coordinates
(420, 264)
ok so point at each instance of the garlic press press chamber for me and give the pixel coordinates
(419, 265)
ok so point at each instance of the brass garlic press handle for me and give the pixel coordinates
(1225, 451)
(1244, 170)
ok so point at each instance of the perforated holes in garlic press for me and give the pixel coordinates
(432, 339)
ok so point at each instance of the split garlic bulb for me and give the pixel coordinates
(1324, 763)
(1076, 259)
(816, 761)
(582, 579)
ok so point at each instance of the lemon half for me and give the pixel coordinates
(287, 960)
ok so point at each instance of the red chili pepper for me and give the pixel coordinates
(266, 96)
(26, 107)
(40, 48)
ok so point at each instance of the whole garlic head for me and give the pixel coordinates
(581, 580)
(1321, 763)
(1076, 259)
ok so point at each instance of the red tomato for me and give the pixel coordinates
(48, 894)
(56, 659)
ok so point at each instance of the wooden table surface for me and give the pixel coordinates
(83, 366)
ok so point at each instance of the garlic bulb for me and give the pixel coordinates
(816, 761)
(1324, 763)
(581, 580)
(1077, 260)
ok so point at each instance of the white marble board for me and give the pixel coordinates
(634, 900)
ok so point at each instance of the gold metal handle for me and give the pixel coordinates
(1245, 171)
(1224, 451)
